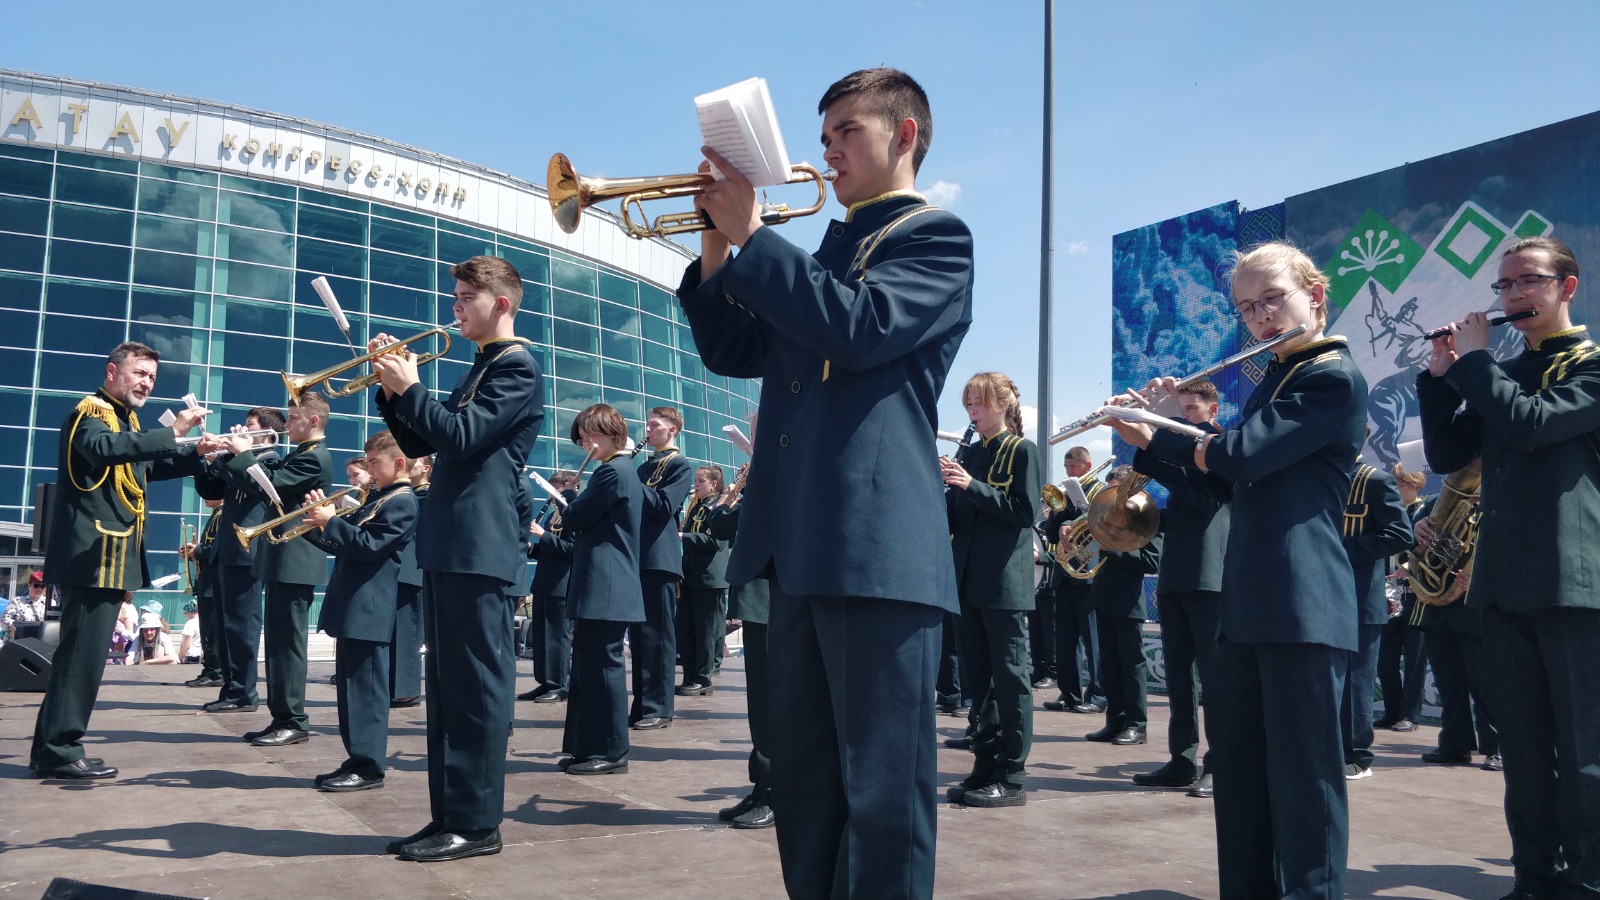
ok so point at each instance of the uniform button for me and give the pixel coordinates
(783, 440)
(795, 387)
(728, 297)
(837, 231)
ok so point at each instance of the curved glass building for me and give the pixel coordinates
(196, 227)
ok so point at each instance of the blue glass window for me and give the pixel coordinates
(171, 270)
(252, 246)
(401, 238)
(99, 188)
(30, 179)
(78, 260)
(172, 199)
(87, 299)
(332, 224)
(22, 252)
(22, 214)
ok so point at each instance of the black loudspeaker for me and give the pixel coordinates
(68, 889)
(25, 665)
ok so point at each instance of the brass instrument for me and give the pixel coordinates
(246, 535)
(1054, 497)
(260, 438)
(1079, 555)
(1126, 518)
(188, 537)
(299, 384)
(1098, 418)
(1455, 532)
(570, 194)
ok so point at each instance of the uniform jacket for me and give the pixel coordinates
(98, 512)
(1535, 420)
(367, 547)
(205, 554)
(667, 478)
(1194, 526)
(241, 507)
(553, 550)
(604, 522)
(473, 522)
(1119, 585)
(705, 545)
(751, 601)
(853, 344)
(410, 572)
(990, 523)
(306, 468)
(1375, 528)
(1286, 469)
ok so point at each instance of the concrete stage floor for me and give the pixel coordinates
(199, 813)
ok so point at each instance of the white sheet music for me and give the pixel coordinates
(740, 123)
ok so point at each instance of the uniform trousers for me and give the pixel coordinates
(1400, 666)
(853, 744)
(654, 646)
(206, 590)
(1042, 635)
(757, 684)
(552, 641)
(702, 617)
(1355, 706)
(1075, 626)
(405, 644)
(949, 686)
(1188, 644)
(471, 677)
(1543, 687)
(1122, 671)
(1455, 649)
(87, 617)
(994, 646)
(1283, 825)
(288, 607)
(240, 605)
(363, 693)
(597, 694)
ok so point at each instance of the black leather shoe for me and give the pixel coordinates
(1165, 777)
(1044, 683)
(1403, 725)
(325, 776)
(758, 817)
(1202, 789)
(738, 809)
(1494, 763)
(566, 761)
(249, 736)
(556, 696)
(78, 768)
(650, 723)
(1127, 737)
(405, 702)
(995, 795)
(959, 743)
(350, 781)
(221, 706)
(955, 792)
(203, 681)
(396, 845)
(694, 690)
(534, 694)
(1058, 706)
(1448, 758)
(281, 737)
(1090, 709)
(445, 846)
(598, 767)
(1104, 736)
(945, 709)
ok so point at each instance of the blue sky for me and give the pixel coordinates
(1161, 107)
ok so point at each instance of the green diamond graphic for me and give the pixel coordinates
(1469, 241)
(1532, 225)
(1375, 248)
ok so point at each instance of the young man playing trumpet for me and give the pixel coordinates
(358, 609)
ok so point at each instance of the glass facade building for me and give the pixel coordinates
(213, 269)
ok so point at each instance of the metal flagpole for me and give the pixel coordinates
(1046, 237)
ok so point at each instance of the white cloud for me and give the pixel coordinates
(943, 193)
(1030, 418)
(1077, 248)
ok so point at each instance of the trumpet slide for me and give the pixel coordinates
(299, 384)
(1493, 320)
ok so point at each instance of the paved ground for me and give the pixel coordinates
(199, 813)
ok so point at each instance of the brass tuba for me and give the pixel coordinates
(1079, 554)
(1455, 532)
(1126, 518)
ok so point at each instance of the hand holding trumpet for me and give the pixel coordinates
(317, 516)
(396, 371)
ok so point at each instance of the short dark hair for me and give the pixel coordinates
(892, 95)
(1561, 256)
(563, 478)
(1203, 389)
(269, 417)
(670, 413)
(383, 442)
(718, 477)
(492, 274)
(313, 403)
(601, 418)
(1081, 454)
(123, 351)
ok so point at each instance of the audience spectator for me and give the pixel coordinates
(190, 650)
(25, 609)
(151, 647)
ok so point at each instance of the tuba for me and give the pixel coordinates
(1079, 554)
(1455, 523)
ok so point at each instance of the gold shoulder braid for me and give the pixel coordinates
(1000, 466)
(379, 505)
(472, 389)
(661, 469)
(1354, 521)
(868, 247)
(699, 512)
(1561, 364)
(123, 481)
(1323, 357)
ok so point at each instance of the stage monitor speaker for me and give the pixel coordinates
(68, 889)
(25, 664)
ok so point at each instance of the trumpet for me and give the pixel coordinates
(246, 535)
(570, 194)
(1097, 418)
(261, 437)
(299, 384)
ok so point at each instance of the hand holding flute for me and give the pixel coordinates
(1457, 339)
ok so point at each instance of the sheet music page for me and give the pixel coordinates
(1146, 417)
(739, 122)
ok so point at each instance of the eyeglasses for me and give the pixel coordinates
(1271, 303)
(1523, 282)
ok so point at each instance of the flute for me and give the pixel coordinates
(1493, 320)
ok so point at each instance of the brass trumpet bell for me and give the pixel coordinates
(571, 193)
(299, 384)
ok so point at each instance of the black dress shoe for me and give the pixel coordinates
(694, 690)
(599, 767)
(222, 706)
(738, 809)
(445, 846)
(1044, 683)
(650, 723)
(1091, 709)
(956, 792)
(959, 743)
(78, 768)
(249, 736)
(1404, 725)
(945, 709)
(1104, 736)
(350, 781)
(995, 795)
(556, 696)
(1494, 763)
(1448, 757)
(1202, 789)
(534, 694)
(1166, 777)
(396, 845)
(281, 737)
(203, 681)
(326, 775)
(1127, 737)
(759, 817)
(566, 761)
(1058, 705)
(405, 702)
